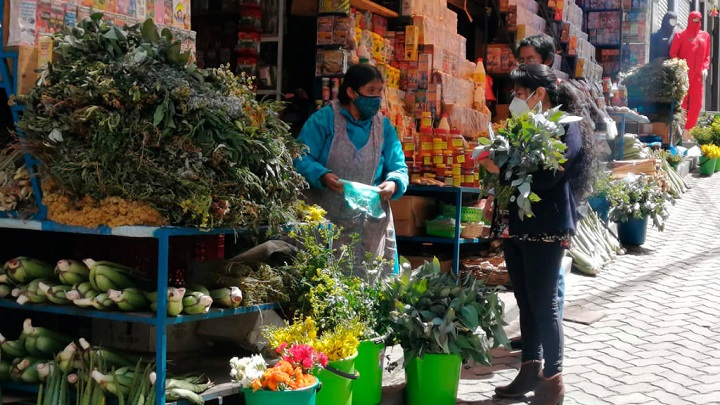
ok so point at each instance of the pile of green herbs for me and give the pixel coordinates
(639, 196)
(529, 143)
(121, 113)
(660, 81)
(436, 313)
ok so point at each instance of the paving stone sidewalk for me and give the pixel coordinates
(659, 341)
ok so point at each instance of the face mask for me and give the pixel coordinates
(367, 105)
(672, 22)
(519, 106)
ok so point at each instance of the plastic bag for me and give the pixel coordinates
(365, 198)
(21, 30)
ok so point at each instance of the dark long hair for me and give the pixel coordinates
(565, 95)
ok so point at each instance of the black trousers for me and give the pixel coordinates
(533, 269)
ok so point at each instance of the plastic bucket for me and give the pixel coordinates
(433, 379)
(367, 389)
(337, 390)
(717, 165)
(601, 205)
(304, 396)
(633, 232)
(707, 166)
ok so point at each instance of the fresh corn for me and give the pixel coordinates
(106, 275)
(229, 297)
(102, 302)
(175, 297)
(117, 382)
(177, 394)
(72, 272)
(196, 303)
(129, 299)
(11, 349)
(197, 288)
(57, 294)
(42, 342)
(5, 371)
(32, 293)
(23, 269)
(4, 290)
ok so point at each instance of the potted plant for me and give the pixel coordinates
(440, 321)
(598, 200)
(290, 380)
(672, 159)
(634, 200)
(709, 158)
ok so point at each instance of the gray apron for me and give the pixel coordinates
(377, 236)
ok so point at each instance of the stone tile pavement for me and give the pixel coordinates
(659, 341)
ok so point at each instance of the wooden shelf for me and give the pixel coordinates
(373, 7)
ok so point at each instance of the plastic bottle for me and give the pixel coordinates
(479, 79)
(325, 89)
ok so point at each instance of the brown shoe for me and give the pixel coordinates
(550, 391)
(526, 380)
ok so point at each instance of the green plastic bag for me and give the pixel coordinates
(364, 198)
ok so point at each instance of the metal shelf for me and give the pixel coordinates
(373, 7)
(135, 317)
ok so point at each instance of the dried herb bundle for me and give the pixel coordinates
(121, 114)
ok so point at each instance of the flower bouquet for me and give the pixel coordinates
(637, 197)
(292, 373)
(531, 142)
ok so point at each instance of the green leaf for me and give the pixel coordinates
(159, 115)
(470, 317)
(149, 31)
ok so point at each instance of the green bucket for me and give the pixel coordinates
(337, 389)
(717, 165)
(304, 396)
(433, 379)
(367, 389)
(707, 166)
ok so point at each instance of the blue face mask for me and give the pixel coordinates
(367, 105)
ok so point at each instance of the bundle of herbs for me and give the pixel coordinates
(121, 114)
(660, 81)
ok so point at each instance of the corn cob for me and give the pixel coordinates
(102, 302)
(129, 299)
(81, 290)
(117, 382)
(44, 370)
(11, 349)
(24, 269)
(72, 272)
(32, 292)
(68, 358)
(229, 297)
(56, 294)
(177, 394)
(43, 342)
(106, 275)
(174, 306)
(113, 359)
(18, 291)
(196, 303)
(26, 371)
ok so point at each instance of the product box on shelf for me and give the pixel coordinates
(141, 337)
(412, 42)
(410, 214)
(325, 25)
(334, 6)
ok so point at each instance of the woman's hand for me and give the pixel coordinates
(387, 190)
(332, 182)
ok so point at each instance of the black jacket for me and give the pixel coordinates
(556, 212)
(661, 39)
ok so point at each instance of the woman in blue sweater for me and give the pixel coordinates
(534, 247)
(351, 140)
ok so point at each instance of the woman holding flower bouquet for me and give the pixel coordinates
(544, 161)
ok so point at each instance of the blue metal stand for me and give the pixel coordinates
(456, 241)
(159, 319)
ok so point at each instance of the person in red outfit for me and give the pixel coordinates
(693, 45)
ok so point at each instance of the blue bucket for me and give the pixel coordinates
(303, 396)
(601, 206)
(633, 232)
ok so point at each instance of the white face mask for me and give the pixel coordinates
(519, 106)
(672, 22)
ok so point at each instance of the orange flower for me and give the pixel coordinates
(283, 376)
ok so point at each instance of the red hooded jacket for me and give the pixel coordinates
(693, 45)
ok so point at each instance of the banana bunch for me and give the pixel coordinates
(175, 298)
(196, 302)
(24, 269)
(82, 294)
(42, 342)
(32, 293)
(129, 299)
(4, 290)
(56, 293)
(71, 272)
(229, 297)
(106, 275)
(11, 349)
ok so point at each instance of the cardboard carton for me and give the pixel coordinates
(410, 214)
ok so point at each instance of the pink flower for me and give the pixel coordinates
(282, 347)
(308, 362)
(322, 359)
